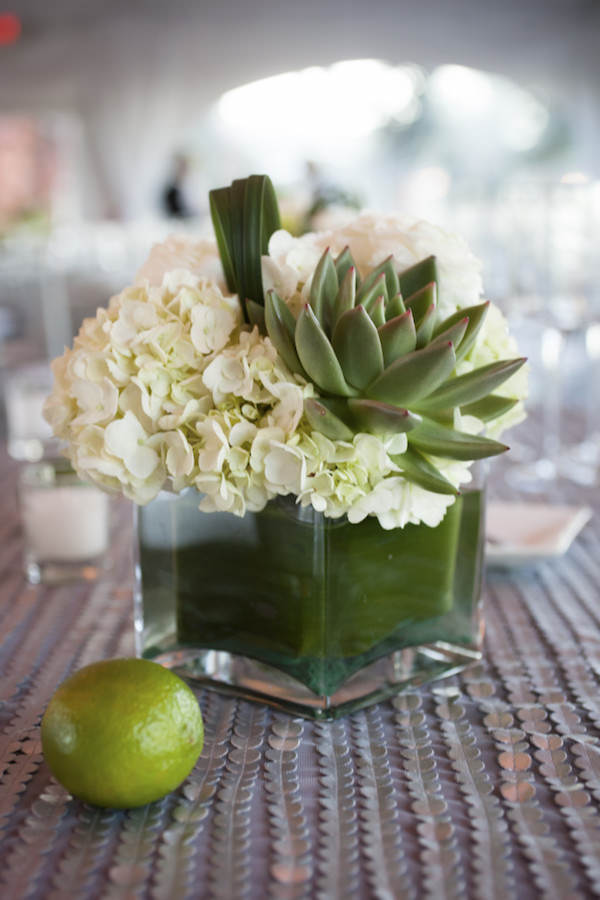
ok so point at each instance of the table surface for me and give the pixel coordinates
(483, 785)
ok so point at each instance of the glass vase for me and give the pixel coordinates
(314, 615)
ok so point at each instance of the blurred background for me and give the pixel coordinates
(117, 118)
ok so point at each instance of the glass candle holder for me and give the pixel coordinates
(29, 435)
(66, 524)
(314, 615)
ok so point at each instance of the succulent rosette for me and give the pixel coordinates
(358, 369)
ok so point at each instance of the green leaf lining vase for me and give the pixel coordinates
(314, 615)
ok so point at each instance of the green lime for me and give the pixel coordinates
(122, 732)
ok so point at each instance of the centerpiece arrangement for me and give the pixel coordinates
(299, 419)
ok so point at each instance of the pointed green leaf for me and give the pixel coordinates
(346, 295)
(220, 212)
(390, 279)
(398, 337)
(377, 312)
(454, 333)
(413, 376)
(344, 262)
(244, 216)
(357, 346)
(281, 325)
(421, 300)
(395, 307)
(323, 289)
(425, 326)
(366, 297)
(472, 386)
(489, 408)
(431, 437)
(476, 316)
(417, 276)
(417, 468)
(318, 357)
(381, 418)
(260, 220)
(323, 420)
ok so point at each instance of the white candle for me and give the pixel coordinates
(67, 523)
(25, 393)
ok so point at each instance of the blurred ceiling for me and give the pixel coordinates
(138, 74)
(222, 44)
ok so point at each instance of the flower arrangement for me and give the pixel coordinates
(358, 369)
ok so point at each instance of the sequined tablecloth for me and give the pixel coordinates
(485, 785)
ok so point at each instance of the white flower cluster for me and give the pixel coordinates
(167, 387)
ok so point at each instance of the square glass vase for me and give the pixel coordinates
(312, 615)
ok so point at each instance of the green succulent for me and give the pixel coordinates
(379, 354)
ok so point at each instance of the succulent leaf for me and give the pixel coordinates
(476, 316)
(425, 326)
(381, 418)
(413, 376)
(318, 356)
(377, 312)
(489, 408)
(386, 268)
(346, 297)
(431, 437)
(368, 295)
(344, 262)
(417, 468)
(322, 419)
(358, 348)
(395, 307)
(472, 386)
(417, 276)
(281, 326)
(398, 336)
(421, 300)
(324, 288)
(454, 333)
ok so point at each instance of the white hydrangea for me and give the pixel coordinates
(201, 258)
(127, 396)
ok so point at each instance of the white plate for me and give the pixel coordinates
(524, 533)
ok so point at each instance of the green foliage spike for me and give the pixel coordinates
(244, 217)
